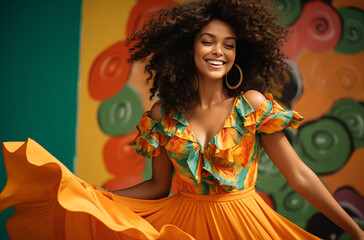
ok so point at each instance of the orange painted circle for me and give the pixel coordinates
(139, 14)
(350, 175)
(109, 71)
(313, 105)
(120, 158)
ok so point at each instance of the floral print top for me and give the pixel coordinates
(230, 162)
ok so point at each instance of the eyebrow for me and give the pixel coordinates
(212, 35)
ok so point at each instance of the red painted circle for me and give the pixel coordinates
(109, 72)
(318, 28)
(120, 158)
(139, 13)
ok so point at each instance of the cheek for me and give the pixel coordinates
(198, 55)
(231, 55)
(200, 52)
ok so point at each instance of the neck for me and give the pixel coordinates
(211, 92)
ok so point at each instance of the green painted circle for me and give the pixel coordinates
(293, 206)
(352, 40)
(293, 201)
(344, 236)
(324, 145)
(351, 113)
(121, 113)
(270, 179)
(290, 10)
(323, 139)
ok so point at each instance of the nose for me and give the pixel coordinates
(217, 50)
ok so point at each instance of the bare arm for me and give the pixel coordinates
(301, 178)
(160, 184)
(304, 181)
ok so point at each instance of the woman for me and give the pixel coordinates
(206, 132)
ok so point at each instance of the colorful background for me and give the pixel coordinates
(66, 84)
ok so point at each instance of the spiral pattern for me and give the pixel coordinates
(334, 75)
(351, 113)
(290, 10)
(322, 26)
(293, 206)
(324, 145)
(351, 199)
(294, 202)
(318, 28)
(352, 40)
(119, 114)
(139, 14)
(351, 174)
(346, 80)
(120, 158)
(270, 179)
(109, 72)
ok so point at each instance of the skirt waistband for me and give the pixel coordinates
(219, 197)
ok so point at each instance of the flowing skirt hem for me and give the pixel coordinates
(50, 202)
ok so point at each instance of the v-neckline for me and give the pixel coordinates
(217, 134)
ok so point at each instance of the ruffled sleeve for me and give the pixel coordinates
(147, 143)
(270, 117)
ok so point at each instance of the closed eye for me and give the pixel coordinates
(206, 43)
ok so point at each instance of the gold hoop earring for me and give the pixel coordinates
(240, 80)
(195, 82)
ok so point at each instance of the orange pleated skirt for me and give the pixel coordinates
(50, 202)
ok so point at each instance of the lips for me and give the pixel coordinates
(216, 63)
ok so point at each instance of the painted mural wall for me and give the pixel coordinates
(325, 85)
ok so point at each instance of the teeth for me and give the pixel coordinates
(214, 62)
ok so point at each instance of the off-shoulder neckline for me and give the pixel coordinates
(241, 109)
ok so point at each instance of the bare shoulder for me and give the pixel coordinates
(255, 98)
(155, 112)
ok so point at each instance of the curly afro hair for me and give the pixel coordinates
(166, 42)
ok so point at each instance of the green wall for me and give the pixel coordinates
(39, 54)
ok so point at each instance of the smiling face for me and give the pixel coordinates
(214, 50)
